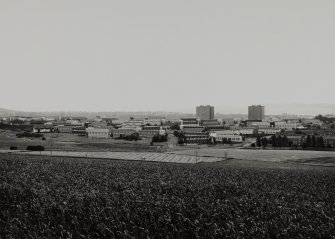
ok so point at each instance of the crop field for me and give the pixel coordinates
(58, 197)
(141, 156)
(317, 157)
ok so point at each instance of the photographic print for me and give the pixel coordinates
(167, 119)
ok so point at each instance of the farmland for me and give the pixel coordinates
(300, 156)
(53, 197)
(69, 142)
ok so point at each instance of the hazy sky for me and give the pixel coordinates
(165, 55)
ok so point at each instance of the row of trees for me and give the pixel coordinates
(275, 141)
(132, 137)
(314, 142)
(282, 141)
(325, 119)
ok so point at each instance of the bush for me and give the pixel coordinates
(159, 138)
(29, 135)
(35, 148)
(132, 137)
(175, 126)
(12, 148)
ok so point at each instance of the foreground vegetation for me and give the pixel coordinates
(83, 198)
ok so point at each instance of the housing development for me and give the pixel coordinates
(255, 130)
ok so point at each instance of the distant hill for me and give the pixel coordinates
(228, 111)
(6, 112)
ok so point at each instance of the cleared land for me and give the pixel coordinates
(56, 197)
(299, 156)
(140, 156)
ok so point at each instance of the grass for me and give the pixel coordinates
(70, 142)
(88, 198)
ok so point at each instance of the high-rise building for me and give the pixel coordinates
(256, 112)
(205, 112)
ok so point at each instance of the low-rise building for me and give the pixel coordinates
(150, 131)
(99, 133)
(206, 123)
(311, 122)
(329, 141)
(296, 140)
(268, 131)
(189, 121)
(196, 137)
(192, 128)
(42, 128)
(122, 132)
(80, 131)
(247, 131)
(65, 129)
(153, 122)
(285, 125)
(227, 135)
(216, 127)
(228, 121)
(262, 124)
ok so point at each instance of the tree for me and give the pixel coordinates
(175, 126)
(320, 142)
(264, 142)
(313, 141)
(274, 141)
(308, 141)
(258, 141)
(279, 141)
(285, 141)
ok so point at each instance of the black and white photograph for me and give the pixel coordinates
(167, 119)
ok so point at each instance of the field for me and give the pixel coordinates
(55, 197)
(70, 142)
(298, 156)
(141, 156)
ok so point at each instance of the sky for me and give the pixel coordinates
(165, 55)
